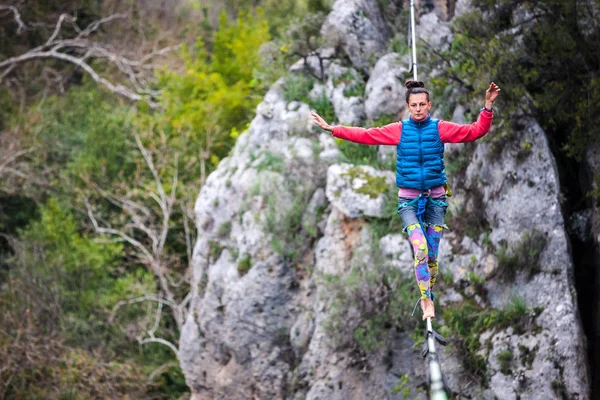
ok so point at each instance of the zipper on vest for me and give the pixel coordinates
(419, 131)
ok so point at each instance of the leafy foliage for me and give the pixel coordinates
(215, 96)
(505, 359)
(61, 254)
(301, 40)
(44, 368)
(358, 154)
(59, 290)
(382, 298)
(374, 185)
(69, 283)
(547, 39)
(84, 134)
(290, 237)
(297, 87)
(323, 106)
(244, 264)
(524, 255)
(468, 321)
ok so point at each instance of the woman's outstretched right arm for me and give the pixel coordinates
(386, 135)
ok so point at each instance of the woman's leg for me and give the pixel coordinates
(435, 235)
(419, 244)
(434, 218)
(420, 251)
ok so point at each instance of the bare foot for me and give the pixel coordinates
(428, 308)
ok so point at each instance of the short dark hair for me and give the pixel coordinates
(415, 87)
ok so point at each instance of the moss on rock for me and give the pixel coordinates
(373, 187)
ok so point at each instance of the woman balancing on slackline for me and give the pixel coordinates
(420, 172)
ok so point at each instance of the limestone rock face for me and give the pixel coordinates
(358, 190)
(385, 89)
(434, 32)
(359, 26)
(444, 9)
(242, 310)
(290, 239)
(347, 101)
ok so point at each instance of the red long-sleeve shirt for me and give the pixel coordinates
(391, 134)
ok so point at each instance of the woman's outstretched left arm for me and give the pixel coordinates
(457, 133)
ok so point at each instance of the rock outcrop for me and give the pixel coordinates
(360, 27)
(385, 89)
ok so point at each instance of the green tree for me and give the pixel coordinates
(61, 272)
(57, 297)
(552, 70)
(84, 134)
(216, 93)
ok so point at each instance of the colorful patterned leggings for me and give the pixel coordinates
(426, 264)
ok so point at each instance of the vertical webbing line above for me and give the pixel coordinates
(414, 42)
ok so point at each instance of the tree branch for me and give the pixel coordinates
(141, 299)
(150, 164)
(124, 237)
(56, 77)
(20, 25)
(118, 88)
(79, 49)
(160, 370)
(58, 27)
(161, 341)
(7, 71)
(12, 157)
(449, 63)
(186, 229)
(150, 332)
(96, 24)
(144, 220)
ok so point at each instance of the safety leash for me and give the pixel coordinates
(421, 207)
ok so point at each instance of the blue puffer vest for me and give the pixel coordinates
(420, 161)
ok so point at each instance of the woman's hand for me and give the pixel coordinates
(490, 95)
(321, 122)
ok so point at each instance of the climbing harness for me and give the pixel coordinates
(421, 202)
(436, 382)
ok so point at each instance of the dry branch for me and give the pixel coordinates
(81, 49)
(12, 157)
(20, 25)
(146, 229)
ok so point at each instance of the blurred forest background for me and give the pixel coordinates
(100, 165)
(113, 113)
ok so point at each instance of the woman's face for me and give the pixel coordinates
(418, 106)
